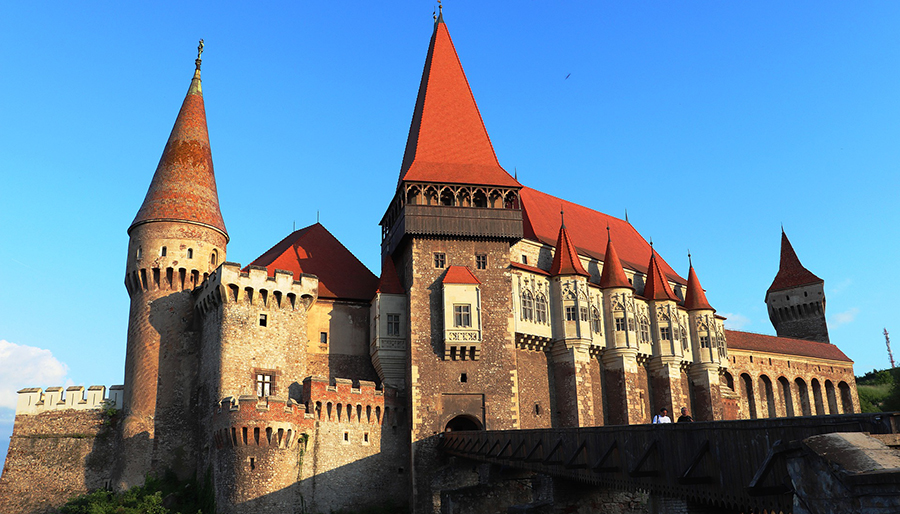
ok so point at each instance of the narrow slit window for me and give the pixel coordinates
(263, 320)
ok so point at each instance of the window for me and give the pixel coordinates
(704, 341)
(139, 253)
(684, 339)
(393, 325)
(323, 337)
(463, 378)
(440, 260)
(462, 315)
(481, 261)
(162, 251)
(527, 306)
(524, 259)
(263, 385)
(570, 314)
(664, 333)
(190, 253)
(620, 324)
(595, 320)
(214, 258)
(263, 320)
(541, 310)
(645, 330)
(584, 314)
(631, 324)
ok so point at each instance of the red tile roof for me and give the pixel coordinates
(748, 341)
(613, 275)
(657, 287)
(447, 140)
(184, 185)
(526, 267)
(460, 275)
(791, 273)
(584, 226)
(316, 251)
(695, 298)
(565, 258)
(389, 282)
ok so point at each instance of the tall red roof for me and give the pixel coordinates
(613, 275)
(447, 140)
(389, 283)
(695, 298)
(784, 345)
(460, 275)
(657, 287)
(184, 185)
(565, 259)
(585, 226)
(316, 251)
(791, 273)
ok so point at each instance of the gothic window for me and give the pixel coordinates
(479, 199)
(393, 325)
(541, 309)
(684, 339)
(481, 261)
(440, 260)
(265, 384)
(645, 330)
(462, 315)
(570, 313)
(664, 333)
(722, 353)
(584, 314)
(595, 320)
(631, 324)
(527, 306)
(704, 341)
(620, 324)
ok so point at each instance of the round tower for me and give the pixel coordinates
(176, 240)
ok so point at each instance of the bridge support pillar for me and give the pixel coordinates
(665, 379)
(572, 377)
(707, 397)
(623, 398)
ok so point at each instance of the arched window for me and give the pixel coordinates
(784, 389)
(832, 398)
(479, 199)
(214, 257)
(748, 400)
(541, 309)
(685, 344)
(803, 396)
(527, 306)
(645, 330)
(765, 390)
(595, 320)
(817, 397)
(846, 398)
(447, 197)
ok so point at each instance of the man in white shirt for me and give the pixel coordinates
(662, 417)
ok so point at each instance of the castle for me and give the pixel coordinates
(303, 382)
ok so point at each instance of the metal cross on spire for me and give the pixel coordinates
(199, 54)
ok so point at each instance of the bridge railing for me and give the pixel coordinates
(730, 464)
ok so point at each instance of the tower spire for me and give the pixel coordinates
(613, 275)
(791, 273)
(695, 297)
(565, 259)
(183, 188)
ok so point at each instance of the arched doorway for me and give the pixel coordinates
(461, 423)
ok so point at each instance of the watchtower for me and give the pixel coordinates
(796, 299)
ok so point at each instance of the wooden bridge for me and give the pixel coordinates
(739, 465)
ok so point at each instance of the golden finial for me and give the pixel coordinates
(440, 7)
(199, 54)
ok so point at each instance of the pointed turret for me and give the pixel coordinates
(565, 259)
(657, 287)
(695, 298)
(184, 185)
(613, 274)
(791, 273)
(448, 142)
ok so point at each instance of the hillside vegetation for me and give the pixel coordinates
(879, 390)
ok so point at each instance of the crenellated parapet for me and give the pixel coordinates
(35, 400)
(268, 423)
(229, 284)
(338, 400)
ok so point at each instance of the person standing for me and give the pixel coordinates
(662, 417)
(685, 418)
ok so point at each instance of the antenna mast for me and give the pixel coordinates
(887, 341)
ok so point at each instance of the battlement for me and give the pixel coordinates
(165, 278)
(269, 422)
(34, 400)
(337, 400)
(254, 287)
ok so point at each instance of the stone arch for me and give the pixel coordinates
(832, 397)
(846, 398)
(463, 422)
(784, 391)
(817, 397)
(803, 396)
(765, 389)
(747, 397)
(728, 380)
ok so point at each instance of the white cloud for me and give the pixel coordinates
(839, 288)
(842, 318)
(27, 366)
(735, 321)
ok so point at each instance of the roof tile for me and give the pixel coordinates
(695, 298)
(749, 341)
(613, 275)
(657, 287)
(791, 273)
(565, 258)
(460, 275)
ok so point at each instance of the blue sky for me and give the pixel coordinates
(712, 123)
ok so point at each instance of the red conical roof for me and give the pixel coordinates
(184, 185)
(695, 298)
(657, 287)
(447, 140)
(791, 273)
(460, 275)
(613, 274)
(389, 283)
(565, 259)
